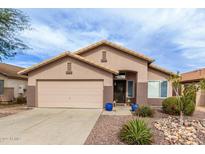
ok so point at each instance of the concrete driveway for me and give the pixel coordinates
(48, 126)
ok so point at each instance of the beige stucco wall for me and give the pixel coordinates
(200, 98)
(80, 70)
(121, 61)
(13, 83)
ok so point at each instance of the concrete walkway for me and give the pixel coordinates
(48, 126)
(118, 110)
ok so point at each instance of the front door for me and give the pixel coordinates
(119, 91)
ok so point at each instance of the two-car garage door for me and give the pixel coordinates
(74, 94)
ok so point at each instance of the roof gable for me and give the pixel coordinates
(116, 46)
(46, 62)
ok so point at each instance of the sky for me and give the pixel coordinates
(175, 38)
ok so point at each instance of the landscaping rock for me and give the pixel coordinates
(175, 133)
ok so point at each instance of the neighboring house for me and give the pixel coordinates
(194, 77)
(100, 73)
(11, 83)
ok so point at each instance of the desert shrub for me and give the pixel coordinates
(21, 100)
(188, 105)
(144, 111)
(136, 132)
(171, 106)
(189, 108)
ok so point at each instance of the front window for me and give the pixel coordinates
(130, 88)
(157, 89)
(1, 87)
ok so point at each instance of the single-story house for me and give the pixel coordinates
(194, 77)
(12, 84)
(99, 73)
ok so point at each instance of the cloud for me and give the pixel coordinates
(43, 38)
(22, 63)
(174, 37)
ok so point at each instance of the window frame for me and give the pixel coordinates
(133, 89)
(160, 81)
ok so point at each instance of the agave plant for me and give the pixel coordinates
(136, 132)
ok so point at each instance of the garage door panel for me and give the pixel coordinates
(76, 94)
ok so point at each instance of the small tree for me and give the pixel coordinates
(177, 87)
(202, 84)
(186, 93)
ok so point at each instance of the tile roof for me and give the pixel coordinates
(156, 67)
(11, 71)
(77, 53)
(116, 46)
(195, 75)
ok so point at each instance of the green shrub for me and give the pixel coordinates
(171, 106)
(21, 100)
(189, 108)
(145, 111)
(136, 132)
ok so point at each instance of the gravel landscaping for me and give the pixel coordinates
(191, 132)
(6, 110)
(107, 128)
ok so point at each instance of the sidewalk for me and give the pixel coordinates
(118, 110)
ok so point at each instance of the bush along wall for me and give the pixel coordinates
(171, 105)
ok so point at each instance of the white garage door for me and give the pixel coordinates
(75, 94)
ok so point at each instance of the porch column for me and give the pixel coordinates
(142, 88)
(108, 94)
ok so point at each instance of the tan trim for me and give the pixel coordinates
(116, 46)
(158, 68)
(29, 69)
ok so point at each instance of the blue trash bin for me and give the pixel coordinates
(134, 107)
(108, 106)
